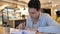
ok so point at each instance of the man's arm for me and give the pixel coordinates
(52, 27)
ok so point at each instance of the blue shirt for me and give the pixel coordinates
(45, 24)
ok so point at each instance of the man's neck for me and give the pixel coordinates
(35, 21)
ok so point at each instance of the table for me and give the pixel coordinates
(2, 30)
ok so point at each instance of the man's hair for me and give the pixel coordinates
(34, 4)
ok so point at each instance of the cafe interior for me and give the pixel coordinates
(12, 12)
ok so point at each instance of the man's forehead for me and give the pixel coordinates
(31, 10)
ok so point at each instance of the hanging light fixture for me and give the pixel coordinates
(24, 8)
(16, 7)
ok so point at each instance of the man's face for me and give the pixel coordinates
(33, 13)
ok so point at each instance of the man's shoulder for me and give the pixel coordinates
(45, 14)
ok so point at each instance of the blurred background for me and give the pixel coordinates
(12, 12)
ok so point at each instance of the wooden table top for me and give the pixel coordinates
(2, 30)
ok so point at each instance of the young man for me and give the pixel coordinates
(38, 21)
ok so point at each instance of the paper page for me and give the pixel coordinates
(24, 32)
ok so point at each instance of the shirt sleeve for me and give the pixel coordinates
(49, 29)
(52, 27)
(50, 21)
(28, 22)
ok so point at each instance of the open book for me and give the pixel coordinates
(24, 32)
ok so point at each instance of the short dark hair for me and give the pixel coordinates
(34, 4)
